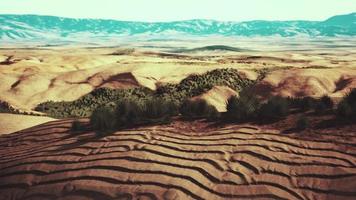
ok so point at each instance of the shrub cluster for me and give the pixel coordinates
(103, 119)
(347, 107)
(5, 107)
(242, 108)
(324, 104)
(198, 109)
(274, 109)
(248, 107)
(126, 113)
(177, 93)
(84, 106)
(197, 84)
(319, 106)
(77, 126)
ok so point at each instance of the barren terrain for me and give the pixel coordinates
(43, 158)
(177, 161)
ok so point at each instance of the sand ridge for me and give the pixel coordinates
(163, 162)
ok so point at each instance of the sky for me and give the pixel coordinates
(175, 10)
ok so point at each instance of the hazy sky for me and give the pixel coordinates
(169, 10)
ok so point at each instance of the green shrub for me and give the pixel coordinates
(103, 119)
(77, 126)
(198, 109)
(159, 109)
(323, 104)
(242, 108)
(302, 123)
(177, 93)
(327, 101)
(128, 113)
(347, 106)
(275, 108)
(5, 107)
(344, 109)
(303, 104)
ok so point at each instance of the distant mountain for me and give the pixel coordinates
(49, 28)
(212, 48)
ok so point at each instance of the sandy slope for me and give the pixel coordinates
(170, 162)
(335, 82)
(10, 123)
(217, 97)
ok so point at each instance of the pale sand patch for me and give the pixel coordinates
(217, 97)
(10, 123)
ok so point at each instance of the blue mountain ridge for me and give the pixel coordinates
(32, 27)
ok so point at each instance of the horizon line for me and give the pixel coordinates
(152, 22)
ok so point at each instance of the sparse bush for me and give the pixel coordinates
(198, 109)
(128, 113)
(147, 111)
(5, 107)
(274, 109)
(242, 108)
(323, 104)
(327, 101)
(302, 123)
(303, 104)
(159, 110)
(347, 106)
(77, 126)
(344, 109)
(103, 119)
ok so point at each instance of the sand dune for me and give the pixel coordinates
(164, 162)
(308, 82)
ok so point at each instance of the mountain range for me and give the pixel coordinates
(50, 28)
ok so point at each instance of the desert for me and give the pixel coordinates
(191, 160)
(101, 109)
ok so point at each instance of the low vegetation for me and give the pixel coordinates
(6, 107)
(323, 105)
(176, 93)
(84, 106)
(197, 84)
(127, 113)
(274, 109)
(198, 109)
(110, 109)
(243, 108)
(302, 123)
(103, 119)
(346, 109)
(78, 126)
